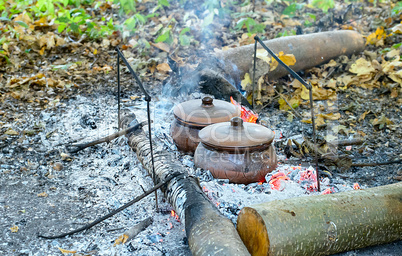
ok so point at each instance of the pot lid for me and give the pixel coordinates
(236, 134)
(206, 111)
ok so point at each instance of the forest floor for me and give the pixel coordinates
(61, 87)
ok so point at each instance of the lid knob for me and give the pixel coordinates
(236, 122)
(207, 102)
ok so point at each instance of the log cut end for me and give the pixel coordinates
(252, 231)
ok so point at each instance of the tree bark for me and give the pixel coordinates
(309, 50)
(208, 231)
(323, 224)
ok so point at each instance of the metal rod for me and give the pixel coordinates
(152, 153)
(309, 87)
(255, 60)
(118, 91)
(148, 100)
(315, 140)
(294, 74)
(147, 97)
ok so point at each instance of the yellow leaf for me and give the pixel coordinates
(362, 116)
(11, 132)
(319, 121)
(66, 251)
(362, 67)
(330, 116)
(14, 229)
(24, 17)
(288, 59)
(95, 51)
(43, 194)
(163, 67)
(42, 51)
(374, 38)
(246, 81)
(121, 240)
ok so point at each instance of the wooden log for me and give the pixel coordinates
(310, 50)
(323, 224)
(208, 231)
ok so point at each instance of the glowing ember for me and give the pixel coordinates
(308, 179)
(246, 114)
(276, 180)
(356, 186)
(328, 191)
(174, 214)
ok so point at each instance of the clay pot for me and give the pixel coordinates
(192, 116)
(240, 152)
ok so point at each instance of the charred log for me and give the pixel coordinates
(208, 231)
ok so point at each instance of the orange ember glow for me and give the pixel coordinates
(174, 214)
(276, 180)
(246, 114)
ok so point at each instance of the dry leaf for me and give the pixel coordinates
(121, 240)
(164, 67)
(246, 81)
(161, 46)
(14, 229)
(263, 55)
(363, 116)
(43, 194)
(66, 251)
(288, 59)
(382, 121)
(377, 36)
(397, 29)
(362, 67)
(246, 39)
(11, 132)
(330, 116)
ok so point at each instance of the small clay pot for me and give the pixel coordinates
(192, 116)
(240, 152)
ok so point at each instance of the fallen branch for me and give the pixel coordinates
(208, 231)
(134, 231)
(323, 224)
(135, 200)
(74, 148)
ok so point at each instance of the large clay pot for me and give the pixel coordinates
(240, 152)
(191, 116)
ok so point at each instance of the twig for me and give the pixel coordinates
(376, 164)
(135, 230)
(342, 143)
(135, 200)
(78, 147)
